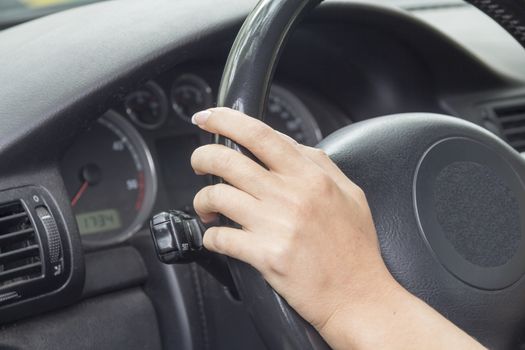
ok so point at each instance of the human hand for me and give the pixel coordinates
(305, 226)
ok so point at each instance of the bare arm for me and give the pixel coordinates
(308, 229)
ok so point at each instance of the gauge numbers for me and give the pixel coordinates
(110, 177)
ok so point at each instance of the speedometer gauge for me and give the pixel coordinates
(110, 178)
(288, 114)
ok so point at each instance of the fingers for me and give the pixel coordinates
(235, 243)
(237, 169)
(227, 200)
(287, 138)
(320, 158)
(260, 139)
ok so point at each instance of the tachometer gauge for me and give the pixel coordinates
(190, 94)
(147, 107)
(288, 114)
(111, 181)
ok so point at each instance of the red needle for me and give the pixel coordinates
(80, 192)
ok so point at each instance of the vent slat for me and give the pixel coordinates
(518, 143)
(12, 217)
(17, 235)
(511, 118)
(514, 131)
(26, 270)
(18, 254)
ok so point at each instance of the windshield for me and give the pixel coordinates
(28, 4)
(17, 11)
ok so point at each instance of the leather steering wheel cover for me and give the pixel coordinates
(245, 87)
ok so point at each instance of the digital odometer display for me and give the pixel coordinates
(98, 221)
(110, 178)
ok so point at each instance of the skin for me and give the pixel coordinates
(308, 229)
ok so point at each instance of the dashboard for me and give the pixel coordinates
(136, 158)
(141, 148)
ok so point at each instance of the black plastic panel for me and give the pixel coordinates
(113, 269)
(124, 320)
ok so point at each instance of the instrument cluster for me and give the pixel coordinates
(111, 170)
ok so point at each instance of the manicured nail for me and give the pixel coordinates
(201, 117)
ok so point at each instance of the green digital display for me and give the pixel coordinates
(98, 221)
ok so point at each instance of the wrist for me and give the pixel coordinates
(397, 320)
(363, 316)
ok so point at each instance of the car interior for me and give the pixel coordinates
(96, 137)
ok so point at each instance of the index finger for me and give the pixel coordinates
(260, 139)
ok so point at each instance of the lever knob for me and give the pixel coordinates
(177, 236)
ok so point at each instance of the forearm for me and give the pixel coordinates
(398, 321)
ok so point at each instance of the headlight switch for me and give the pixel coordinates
(177, 236)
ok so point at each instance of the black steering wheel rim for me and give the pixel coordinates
(245, 86)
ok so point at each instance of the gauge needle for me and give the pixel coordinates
(80, 192)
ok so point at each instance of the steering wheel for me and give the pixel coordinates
(447, 196)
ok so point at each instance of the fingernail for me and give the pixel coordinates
(201, 117)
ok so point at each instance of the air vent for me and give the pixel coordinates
(512, 120)
(19, 247)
